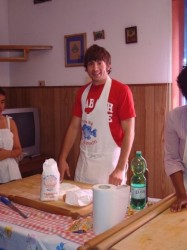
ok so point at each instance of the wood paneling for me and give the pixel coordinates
(55, 107)
(151, 108)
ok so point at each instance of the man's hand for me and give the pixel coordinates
(116, 177)
(180, 203)
(178, 183)
(64, 168)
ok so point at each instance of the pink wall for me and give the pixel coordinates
(177, 47)
(4, 38)
(148, 61)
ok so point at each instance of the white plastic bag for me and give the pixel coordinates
(50, 185)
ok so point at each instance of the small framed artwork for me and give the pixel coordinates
(131, 34)
(75, 47)
(40, 1)
(99, 35)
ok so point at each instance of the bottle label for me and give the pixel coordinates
(138, 192)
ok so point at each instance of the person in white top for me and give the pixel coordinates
(10, 147)
(176, 147)
(104, 113)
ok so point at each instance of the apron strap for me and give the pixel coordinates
(8, 121)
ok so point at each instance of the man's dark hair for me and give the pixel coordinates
(182, 82)
(97, 53)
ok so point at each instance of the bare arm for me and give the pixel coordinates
(71, 135)
(178, 183)
(128, 127)
(16, 150)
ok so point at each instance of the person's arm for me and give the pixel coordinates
(16, 150)
(129, 131)
(178, 183)
(70, 137)
(173, 162)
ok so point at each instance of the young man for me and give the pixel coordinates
(104, 111)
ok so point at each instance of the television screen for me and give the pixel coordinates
(27, 121)
(26, 135)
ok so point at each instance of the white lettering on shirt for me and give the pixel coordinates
(109, 107)
(109, 117)
(90, 103)
(110, 111)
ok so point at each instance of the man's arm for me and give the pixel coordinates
(178, 183)
(129, 132)
(173, 162)
(70, 137)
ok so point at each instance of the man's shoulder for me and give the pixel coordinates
(179, 110)
(178, 113)
(120, 88)
(118, 84)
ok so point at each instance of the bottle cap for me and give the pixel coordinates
(138, 153)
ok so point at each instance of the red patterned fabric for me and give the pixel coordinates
(43, 222)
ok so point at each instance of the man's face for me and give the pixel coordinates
(97, 71)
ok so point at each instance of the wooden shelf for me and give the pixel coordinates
(22, 49)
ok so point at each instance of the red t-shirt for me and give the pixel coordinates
(123, 106)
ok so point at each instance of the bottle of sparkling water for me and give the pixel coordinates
(138, 182)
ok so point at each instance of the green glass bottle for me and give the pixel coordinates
(138, 182)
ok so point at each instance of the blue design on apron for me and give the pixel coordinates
(87, 132)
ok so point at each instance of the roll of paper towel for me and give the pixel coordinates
(109, 205)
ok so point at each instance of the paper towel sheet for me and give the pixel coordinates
(109, 205)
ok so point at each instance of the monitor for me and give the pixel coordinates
(27, 121)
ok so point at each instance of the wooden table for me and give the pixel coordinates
(152, 228)
(136, 232)
(166, 231)
(27, 192)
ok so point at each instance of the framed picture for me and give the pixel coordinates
(40, 1)
(99, 35)
(75, 47)
(131, 34)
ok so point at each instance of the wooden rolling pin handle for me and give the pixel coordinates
(41, 206)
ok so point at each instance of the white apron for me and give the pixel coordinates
(185, 164)
(9, 169)
(99, 153)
